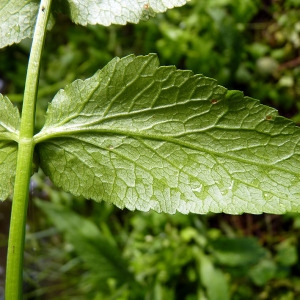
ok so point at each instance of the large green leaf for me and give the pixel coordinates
(9, 124)
(17, 19)
(148, 137)
(106, 12)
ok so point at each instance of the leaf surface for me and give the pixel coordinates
(148, 137)
(9, 125)
(106, 12)
(17, 19)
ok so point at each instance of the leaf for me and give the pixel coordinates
(107, 12)
(287, 253)
(100, 255)
(9, 124)
(213, 279)
(148, 137)
(263, 272)
(237, 252)
(17, 19)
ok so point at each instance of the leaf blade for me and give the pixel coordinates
(9, 125)
(17, 19)
(109, 12)
(164, 139)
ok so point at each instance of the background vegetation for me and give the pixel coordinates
(78, 249)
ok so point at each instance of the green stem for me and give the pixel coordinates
(14, 269)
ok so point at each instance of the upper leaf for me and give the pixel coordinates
(106, 12)
(17, 19)
(148, 137)
(9, 124)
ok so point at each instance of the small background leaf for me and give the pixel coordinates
(99, 254)
(148, 137)
(9, 124)
(106, 12)
(263, 272)
(237, 251)
(213, 279)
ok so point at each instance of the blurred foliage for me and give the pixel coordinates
(95, 251)
(79, 249)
